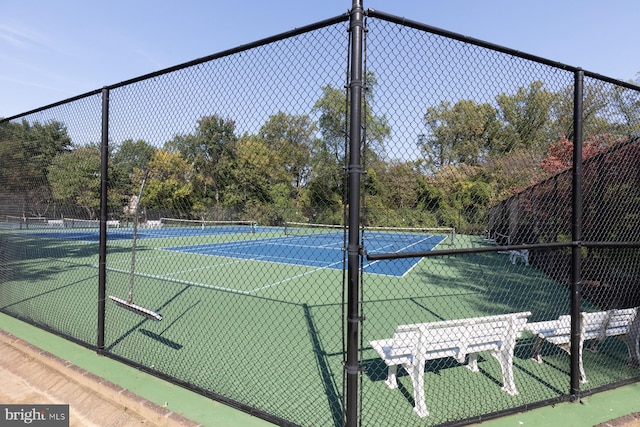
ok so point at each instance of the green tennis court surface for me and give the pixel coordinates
(281, 318)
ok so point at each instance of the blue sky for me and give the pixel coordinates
(53, 50)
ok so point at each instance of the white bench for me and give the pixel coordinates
(594, 327)
(55, 223)
(523, 255)
(153, 224)
(113, 223)
(412, 345)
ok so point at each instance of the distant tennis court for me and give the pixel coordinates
(322, 247)
(316, 246)
(88, 230)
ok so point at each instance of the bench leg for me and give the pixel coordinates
(632, 339)
(473, 362)
(537, 347)
(632, 346)
(391, 380)
(583, 376)
(505, 358)
(416, 372)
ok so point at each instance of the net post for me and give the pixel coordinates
(102, 246)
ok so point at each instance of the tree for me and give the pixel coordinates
(169, 183)
(324, 198)
(128, 163)
(211, 152)
(291, 138)
(527, 118)
(627, 102)
(26, 152)
(75, 179)
(131, 155)
(334, 111)
(560, 153)
(597, 117)
(457, 134)
(257, 169)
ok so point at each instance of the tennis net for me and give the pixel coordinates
(305, 228)
(44, 222)
(221, 226)
(448, 234)
(379, 233)
(25, 222)
(81, 223)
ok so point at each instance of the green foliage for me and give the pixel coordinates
(130, 159)
(210, 150)
(26, 151)
(461, 133)
(75, 179)
(168, 184)
(293, 167)
(527, 118)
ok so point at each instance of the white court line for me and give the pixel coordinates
(128, 260)
(328, 266)
(270, 242)
(214, 251)
(184, 282)
(209, 267)
(399, 250)
(410, 245)
(222, 288)
(229, 245)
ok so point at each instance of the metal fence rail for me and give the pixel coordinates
(277, 226)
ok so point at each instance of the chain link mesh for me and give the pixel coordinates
(481, 142)
(226, 219)
(48, 281)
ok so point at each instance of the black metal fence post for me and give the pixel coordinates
(355, 133)
(576, 232)
(102, 261)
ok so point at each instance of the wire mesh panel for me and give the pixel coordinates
(213, 160)
(225, 263)
(610, 274)
(49, 177)
(480, 139)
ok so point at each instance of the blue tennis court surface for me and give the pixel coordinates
(320, 251)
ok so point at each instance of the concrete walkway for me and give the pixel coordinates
(30, 375)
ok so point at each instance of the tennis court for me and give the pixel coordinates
(88, 230)
(270, 297)
(321, 250)
(316, 246)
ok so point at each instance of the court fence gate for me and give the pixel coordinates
(279, 225)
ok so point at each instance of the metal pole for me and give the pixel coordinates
(134, 238)
(576, 233)
(354, 251)
(102, 251)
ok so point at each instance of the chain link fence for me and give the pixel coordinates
(483, 141)
(193, 223)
